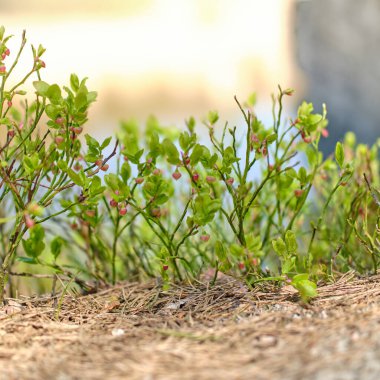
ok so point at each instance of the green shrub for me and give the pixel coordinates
(256, 202)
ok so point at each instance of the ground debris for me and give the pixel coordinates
(226, 331)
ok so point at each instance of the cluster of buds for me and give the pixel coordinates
(305, 138)
(39, 63)
(75, 131)
(185, 159)
(5, 54)
(103, 167)
(255, 142)
(263, 149)
(121, 206)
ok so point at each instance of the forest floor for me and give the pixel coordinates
(137, 331)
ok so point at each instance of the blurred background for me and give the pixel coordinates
(176, 58)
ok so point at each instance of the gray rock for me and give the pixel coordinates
(338, 44)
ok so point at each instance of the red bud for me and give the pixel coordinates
(176, 175)
(113, 203)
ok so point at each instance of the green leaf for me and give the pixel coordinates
(75, 177)
(279, 246)
(125, 171)
(220, 251)
(35, 244)
(171, 152)
(74, 82)
(291, 242)
(2, 31)
(105, 143)
(41, 87)
(252, 99)
(54, 94)
(339, 154)
(288, 265)
(81, 100)
(27, 260)
(237, 250)
(56, 246)
(306, 288)
(302, 175)
(212, 117)
(91, 96)
(62, 165)
(52, 111)
(91, 142)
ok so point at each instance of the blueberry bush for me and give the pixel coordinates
(256, 202)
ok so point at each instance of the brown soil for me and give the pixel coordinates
(136, 331)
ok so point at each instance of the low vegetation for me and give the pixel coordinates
(253, 201)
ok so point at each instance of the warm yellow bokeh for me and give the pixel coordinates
(172, 58)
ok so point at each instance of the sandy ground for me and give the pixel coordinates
(136, 331)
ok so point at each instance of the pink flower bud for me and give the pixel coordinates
(59, 120)
(77, 130)
(78, 167)
(123, 211)
(195, 177)
(113, 203)
(298, 193)
(176, 175)
(9, 103)
(241, 266)
(205, 237)
(7, 52)
(165, 267)
(325, 133)
(11, 133)
(59, 140)
(230, 181)
(42, 63)
(156, 212)
(157, 171)
(90, 213)
(210, 179)
(105, 167)
(29, 222)
(2, 69)
(139, 180)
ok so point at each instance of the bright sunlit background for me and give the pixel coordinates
(170, 58)
(176, 58)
